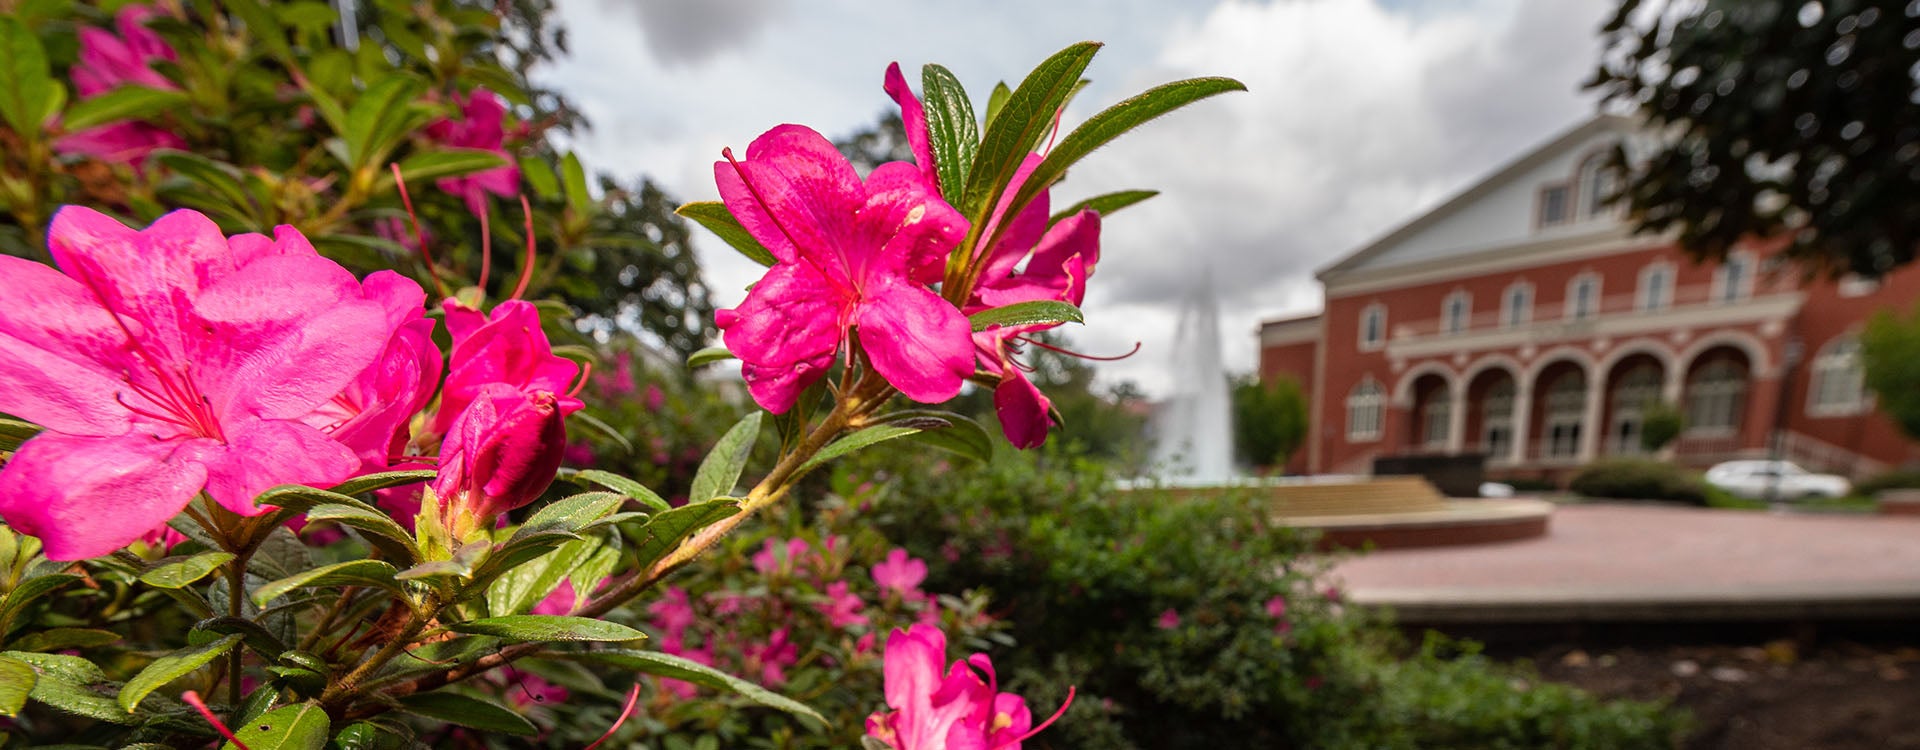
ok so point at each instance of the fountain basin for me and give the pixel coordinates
(1354, 512)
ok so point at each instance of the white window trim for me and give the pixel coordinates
(1719, 286)
(1570, 206)
(1370, 390)
(1641, 301)
(1507, 317)
(1854, 285)
(1573, 299)
(1466, 311)
(1816, 377)
(1365, 312)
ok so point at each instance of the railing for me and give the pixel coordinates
(1819, 455)
(1557, 314)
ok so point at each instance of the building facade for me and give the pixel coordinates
(1524, 321)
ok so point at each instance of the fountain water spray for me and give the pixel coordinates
(1193, 431)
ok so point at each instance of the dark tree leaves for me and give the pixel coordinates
(1778, 118)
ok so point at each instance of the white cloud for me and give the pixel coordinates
(1357, 117)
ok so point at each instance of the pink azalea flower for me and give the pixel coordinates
(481, 126)
(507, 347)
(673, 613)
(900, 573)
(842, 607)
(168, 361)
(579, 453)
(1057, 262)
(849, 253)
(501, 453)
(954, 709)
(373, 413)
(772, 657)
(769, 560)
(108, 61)
(1277, 607)
(1168, 619)
(655, 398)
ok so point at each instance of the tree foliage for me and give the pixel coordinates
(1890, 351)
(1269, 420)
(1772, 118)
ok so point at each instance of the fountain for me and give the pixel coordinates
(1193, 451)
(1193, 438)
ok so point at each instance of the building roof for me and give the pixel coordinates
(1418, 240)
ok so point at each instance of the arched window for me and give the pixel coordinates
(1839, 383)
(1517, 307)
(1496, 420)
(1566, 410)
(1637, 389)
(1436, 420)
(1364, 405)
(1456, 312)
(1715, 397)
(1595, 186)
(1373, 327)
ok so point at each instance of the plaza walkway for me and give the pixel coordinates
(1644, 562)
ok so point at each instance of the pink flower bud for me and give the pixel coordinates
(500, 453)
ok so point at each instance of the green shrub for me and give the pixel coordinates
(1898, 479)
(1532, 484)
(1660, 424)
(1156, 608)
(1639, 479)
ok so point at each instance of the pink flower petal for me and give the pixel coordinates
(88, 496)
(918, 341)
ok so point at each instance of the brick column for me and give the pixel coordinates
(1756, 425)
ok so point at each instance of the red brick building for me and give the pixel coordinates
(1521, 319)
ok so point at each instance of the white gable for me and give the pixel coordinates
(1503, 209)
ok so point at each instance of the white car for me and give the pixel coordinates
(1783, 479)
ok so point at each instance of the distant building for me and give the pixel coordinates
(1521, 319)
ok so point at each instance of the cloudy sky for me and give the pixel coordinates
(1358, 114)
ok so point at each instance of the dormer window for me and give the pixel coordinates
(1555, 206)
(1596, 184)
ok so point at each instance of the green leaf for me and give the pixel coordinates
(216, 186)
(519, 589)
(28, 93)
(540, 177)
(716, 218)
(720, 471)
(451, 162)
(17, 600)
(468, 711)
(60, 639)
(302, 726)
(961, 436)
(572, 513)
(255, 636)
(14, 433)
(1027, 115)
(620, 484)
(997, 100)
(66, 683)
(1032, 312)
(264, 28)
(374, 573)
(379, 118)
(548, 628)
(172, 667)
(179, 571)
(573, 180)
(1102, 128)
(870, 742)
(381, 481)
(665, 530)
(1105, 203)
(678, 668)
(322, 505)
(869, 436)
(16, 682)
(708, 356)
(124, 103)
(952, 132)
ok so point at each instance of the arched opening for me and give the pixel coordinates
(1560, 410)
(1717, 386)
(1490, 422)
(1432, 414)
(1633, 388)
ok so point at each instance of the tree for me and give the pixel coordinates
(1660, 424)
(1269, 420)
(1890, 351)
(1772, 118)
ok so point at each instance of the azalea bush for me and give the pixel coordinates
(1197, 623)
(253, 496)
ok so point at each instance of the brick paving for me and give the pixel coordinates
(1641, 553)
